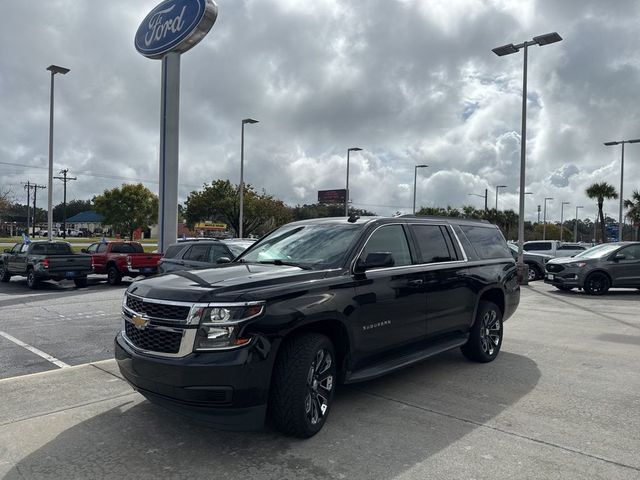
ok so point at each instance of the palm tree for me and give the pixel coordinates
(633, 214)
(601, 191)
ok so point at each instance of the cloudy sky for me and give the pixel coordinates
(411, 82)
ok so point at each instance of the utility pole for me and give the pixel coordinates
(28, 187)
(65, 179)
(35, 194)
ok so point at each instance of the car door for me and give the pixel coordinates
(218, 251)
(626, 271)
(12, 259)
(196, 257)
(391, 301)
(99, 257)
(450, 299)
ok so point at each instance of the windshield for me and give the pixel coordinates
(598, 251)
(315, 246)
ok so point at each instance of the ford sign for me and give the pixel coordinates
(175, 26)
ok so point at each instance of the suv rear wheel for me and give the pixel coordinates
(303, 384)
(485, 338)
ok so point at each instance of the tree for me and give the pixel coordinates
(633, 204)
(127, 208)
(600, 191)
(219, 201)
(73, 208)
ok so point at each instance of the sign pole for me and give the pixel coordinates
(169, 133)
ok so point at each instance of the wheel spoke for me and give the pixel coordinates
(326, 383)
(307, 403)
(319, 359)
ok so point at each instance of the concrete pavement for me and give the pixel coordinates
(561, 401)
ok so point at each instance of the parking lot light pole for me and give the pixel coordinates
(63, 71)
(621, 218)
(415, 181)
(575, 227)
(486, 190)
(346, 195)
(562, 217)
(497, 189)
(544, 218)
(241, 217)
(507, 50)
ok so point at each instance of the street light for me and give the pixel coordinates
(241, 219)
(497, 187)
(562, 216)
(610, 144)
(346, 196)
(575, 227)
(63, 71)
(485, 196)
(540, 40)
(544, 218)
(415, 179)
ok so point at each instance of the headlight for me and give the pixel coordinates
(220, 325)
(576, 264)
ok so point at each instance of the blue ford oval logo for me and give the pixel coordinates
(175, 26)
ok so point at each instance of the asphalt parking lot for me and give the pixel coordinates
(561, 401)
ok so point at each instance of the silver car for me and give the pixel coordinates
(597, 269)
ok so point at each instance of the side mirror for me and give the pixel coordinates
(619, 256)
(7, 250)
(374, 260)
(84, 250)
(223, 260)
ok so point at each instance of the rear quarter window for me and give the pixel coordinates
(173, 251)
(487, 242)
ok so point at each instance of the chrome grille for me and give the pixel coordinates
(154, 340)
(158, 310)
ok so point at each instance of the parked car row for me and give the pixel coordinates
(44, 260)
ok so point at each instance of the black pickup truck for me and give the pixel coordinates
(42, 260)
(312, 304)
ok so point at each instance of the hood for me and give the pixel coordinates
(564, 260)
(227, 281)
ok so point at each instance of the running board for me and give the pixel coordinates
(398, 362)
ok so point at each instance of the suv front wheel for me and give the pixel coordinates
(304, 380)
(485, 338)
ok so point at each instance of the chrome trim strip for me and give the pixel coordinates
(464, 254)
(162, 302)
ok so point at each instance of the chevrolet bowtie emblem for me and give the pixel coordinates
(139, 322)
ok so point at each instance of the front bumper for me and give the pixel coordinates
(228, 389)
(564, 279)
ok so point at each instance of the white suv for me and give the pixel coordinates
(555, 248)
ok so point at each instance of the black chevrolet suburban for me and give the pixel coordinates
(313, 304)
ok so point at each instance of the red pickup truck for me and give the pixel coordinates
(122, 259)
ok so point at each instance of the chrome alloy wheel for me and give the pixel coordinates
(490, 333)
(319, 386)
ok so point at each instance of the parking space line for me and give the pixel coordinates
(35, 350)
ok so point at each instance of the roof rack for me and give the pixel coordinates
(440, 217)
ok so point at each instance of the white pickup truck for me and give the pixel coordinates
(555, 248)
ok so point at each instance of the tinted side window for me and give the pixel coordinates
(16, 248)
(173, 251)
(389, 239)
(218, 251)
(431, 243)
(197, 253)
(632, 252)
(93, 248)
(102, 248)
(571, 247)
(487, 242)
(537, 246)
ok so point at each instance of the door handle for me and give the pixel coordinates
(415, 283)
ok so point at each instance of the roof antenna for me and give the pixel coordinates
(353, 218)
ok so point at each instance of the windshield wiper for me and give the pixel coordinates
(290, 264)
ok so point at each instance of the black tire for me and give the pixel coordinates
(564, 288)
(303, 384)
(80, 282)
(32, 281)
(113, 276)
(485, 338)
(597, 283)
(534, 272)
(5, 276)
